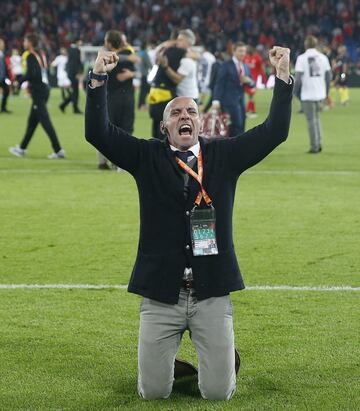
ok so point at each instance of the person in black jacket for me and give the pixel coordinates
(36, 75)
(120, 89)
(74, 69)
(186, 265)
(163, 89)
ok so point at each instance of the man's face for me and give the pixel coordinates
(182, 42)
(2, 45)
(240, 53)
(182, 122)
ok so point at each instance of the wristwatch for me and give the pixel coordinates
(98, 77)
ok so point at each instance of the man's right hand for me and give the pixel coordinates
(105, 61)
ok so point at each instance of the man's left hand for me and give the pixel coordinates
(280, 59)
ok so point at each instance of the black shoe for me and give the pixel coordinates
(183, 369)
(62, 107)
(103, 166)
(77, 111)
(312, 151)
(6, 111)
(237, 361)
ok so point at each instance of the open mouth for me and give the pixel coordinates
(185, 130)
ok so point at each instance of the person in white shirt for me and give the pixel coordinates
(186, 75)
(312, 82)
(16, 68)
(63, 80)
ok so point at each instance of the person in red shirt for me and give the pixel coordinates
(256, 65)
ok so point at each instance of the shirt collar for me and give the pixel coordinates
(238, 63)
(194, 149)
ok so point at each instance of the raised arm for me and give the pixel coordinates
(118, 146)
(251, 147)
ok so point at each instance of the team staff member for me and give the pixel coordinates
(120, 89)
(36, 75)
(74, 69)
(172, 236)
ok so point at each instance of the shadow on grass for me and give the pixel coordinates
(187, 386)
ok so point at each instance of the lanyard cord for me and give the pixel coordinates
(198, 177)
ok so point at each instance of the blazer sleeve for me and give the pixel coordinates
(118, 146)
(249, 148)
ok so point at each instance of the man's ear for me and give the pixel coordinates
(163, 129)
(201, 126)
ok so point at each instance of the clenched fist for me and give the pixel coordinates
(280, 59)
(105, 61)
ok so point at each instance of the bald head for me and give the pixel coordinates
(181, 122)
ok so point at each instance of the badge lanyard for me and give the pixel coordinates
(198, 177)
(202, 221)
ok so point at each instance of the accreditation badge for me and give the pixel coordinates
(203, 231)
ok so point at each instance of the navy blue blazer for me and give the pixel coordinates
(228, 89)
(164, 246)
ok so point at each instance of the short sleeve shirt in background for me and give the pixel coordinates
(313, 65)
(188, 86)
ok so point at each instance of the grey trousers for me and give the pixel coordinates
(210, 324)
(312, 113)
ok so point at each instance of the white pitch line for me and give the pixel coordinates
(123, 286)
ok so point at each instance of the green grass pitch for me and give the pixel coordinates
(296, 223)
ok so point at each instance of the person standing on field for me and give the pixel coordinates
(312, 83)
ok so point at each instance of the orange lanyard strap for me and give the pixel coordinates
(198, 177)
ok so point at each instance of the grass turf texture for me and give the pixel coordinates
(296, 222)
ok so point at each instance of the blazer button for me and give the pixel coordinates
(187, 213)
(187, 247)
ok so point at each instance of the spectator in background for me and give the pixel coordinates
(229, 91)
(340, 66)
(36, 76)
(74, 69)
(16, 69)
(5, 76)
(63, 80)
(120, 89)
(144, 67)
(312, 82)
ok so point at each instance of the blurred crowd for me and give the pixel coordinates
(214, 22)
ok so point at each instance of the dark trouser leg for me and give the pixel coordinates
(44, 119)
(6, 90)
(144, 90)
(33, 121)
(237, 124)
(156, 113)
(75, 93)
(243, 114)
